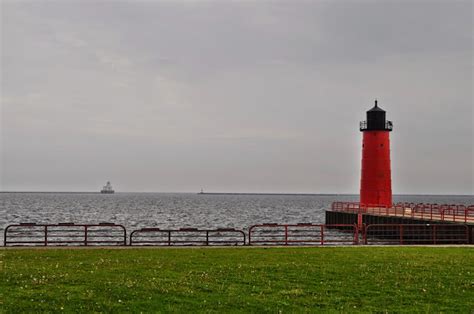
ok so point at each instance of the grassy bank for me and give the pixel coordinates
(243, 279)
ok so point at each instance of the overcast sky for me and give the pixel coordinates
(247, 96)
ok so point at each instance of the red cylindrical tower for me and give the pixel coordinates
(376, 181)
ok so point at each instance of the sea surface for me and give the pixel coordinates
(177, 210)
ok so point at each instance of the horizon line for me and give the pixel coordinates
(226, 193)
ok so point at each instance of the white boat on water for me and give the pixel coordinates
(107, 189)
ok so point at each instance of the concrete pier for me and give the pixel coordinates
(339, 217)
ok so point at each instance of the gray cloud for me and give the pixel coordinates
(244, 96)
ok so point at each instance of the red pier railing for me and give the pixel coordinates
(303, 234)
(402, 234)
(434, 212)
(308, 234)
(65, 234)
(187, 237)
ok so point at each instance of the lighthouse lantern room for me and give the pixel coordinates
(376, 181)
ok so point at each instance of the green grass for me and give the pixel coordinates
(367, 279)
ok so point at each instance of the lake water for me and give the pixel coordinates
(166, 210)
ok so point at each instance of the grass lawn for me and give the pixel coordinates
(394, 279)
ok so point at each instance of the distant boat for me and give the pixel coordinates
(202, 192)
(107, 189)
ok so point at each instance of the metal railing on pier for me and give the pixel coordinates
(303, 234)
(434, 212)
(406, 234)
(186, 237)
(65, 234)
(270, 234)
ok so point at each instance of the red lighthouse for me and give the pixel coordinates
(376, 181)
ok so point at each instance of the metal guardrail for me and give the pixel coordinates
(435, 212)
(303, 234)
(65, 234)
(403, 234)
(109, 234)
(187, 237)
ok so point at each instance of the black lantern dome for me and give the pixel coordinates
(376, 120)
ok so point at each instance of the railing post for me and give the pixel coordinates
(364, 234)
(322, 234)
(207, 237)
(86, 235)
(45, 235)
(467, 234)
(169, 237)
(286, 234)
(5, 236)
(356, 234)
(124, 236)
(401, 234)
(434, 234)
